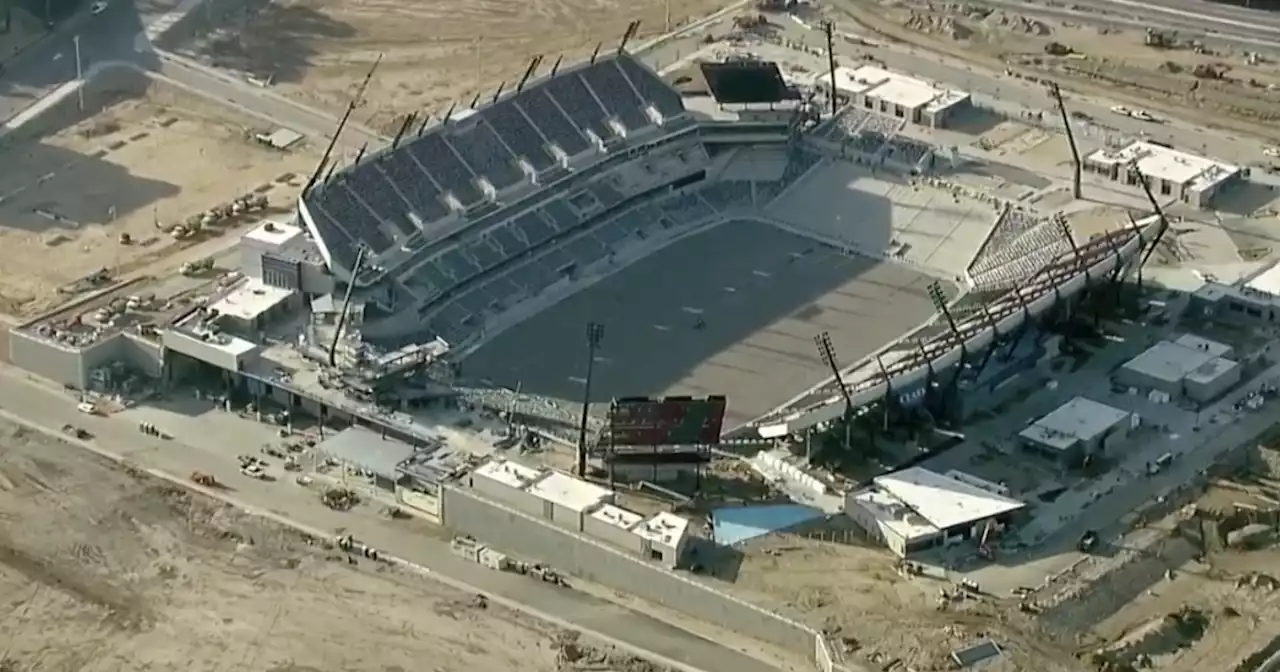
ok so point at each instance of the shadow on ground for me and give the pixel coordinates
(34, 197)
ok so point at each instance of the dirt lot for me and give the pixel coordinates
(152, 157)
(1109, 56)
(433, 52)
(1208, 614)
(854, 587)
(103, 570)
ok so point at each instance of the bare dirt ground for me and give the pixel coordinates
(105, 570)
(433, 52)
(1207, 614)
(1242, 90)
(854, 588)
(154, 156)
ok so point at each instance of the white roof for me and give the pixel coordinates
(1168, 361)
(1080, 419)
(665, 528)
(944, 502)
(1211, 370)
(508, 473)
(251, 299)
(891, 514)
(1168, 164)
(891, 87)
(617, 516)
(1266, 282)
(273, 234)
(569, 492)
(1203, 344)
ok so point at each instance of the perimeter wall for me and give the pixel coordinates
(506, 529)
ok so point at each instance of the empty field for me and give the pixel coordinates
(101, 570)
(762, 295)
(151, 158)
(433, 52)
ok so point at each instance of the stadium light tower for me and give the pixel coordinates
(595, 333)
(829, 28)
(1164, 222)
(1076, 166)
(827, 353)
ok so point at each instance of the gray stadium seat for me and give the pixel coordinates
(434, 154)
(413, 182)
(616, 94)
(553, 123)
(535, 229)
(520, 135)
(576, 100)
(651, 88)
(485, 154)
(372, 188)
(561, 216)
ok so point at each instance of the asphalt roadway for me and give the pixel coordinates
(118, 35)
(213, 451)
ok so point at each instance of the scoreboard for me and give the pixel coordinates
(673, 421)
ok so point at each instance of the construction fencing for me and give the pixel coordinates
(506, 529)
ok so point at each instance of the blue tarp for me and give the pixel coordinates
(734, 525)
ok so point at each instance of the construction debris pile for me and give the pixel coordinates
(573, 654)
(937, 25)
(340, 499)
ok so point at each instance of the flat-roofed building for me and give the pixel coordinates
(916, 509)
(251, 304)
(1078, 429)
(1192, 367)
(574, 505)
(665, 537)
(1194, 180)
(896, 95)
(1255, 299)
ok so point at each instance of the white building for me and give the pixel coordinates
(917, 101)
(582, 508)
(1255, 299)
(1194, 180)
(1077, 429)
(1192, 367)
(916, 509)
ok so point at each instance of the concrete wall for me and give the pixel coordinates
(612, 534)
(199, 350)
(59, 363)
(501, 492)
(466, 512)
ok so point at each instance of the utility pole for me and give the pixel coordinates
(829, 28)
(79, 73)
(1077, 168)
(595, 333)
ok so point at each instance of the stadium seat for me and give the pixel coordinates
(436, 156)
(368, 183)
(413, 182)
(573, 96)
(534, 228)
(615, 93)
(560, 215)
(519, 134)
(485, 154)
(551, 120)
(651, 88)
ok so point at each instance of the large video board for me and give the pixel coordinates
(674, 421)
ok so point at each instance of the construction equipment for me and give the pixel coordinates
(1088, 541)
(201, 478)
(1160, 39)
(750, 22)
(291, 464)
(256, 471)
(190, 268)
(340, 499)
(77, 432)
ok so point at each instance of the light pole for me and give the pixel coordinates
(79, 73)
(595, 332)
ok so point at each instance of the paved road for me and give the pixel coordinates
(118, 35)
(213, 450)
(1193, 17)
